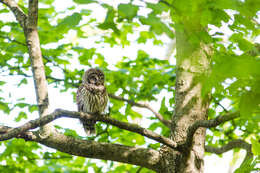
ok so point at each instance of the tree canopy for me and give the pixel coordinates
(87, 33)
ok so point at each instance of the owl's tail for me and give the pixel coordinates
(89, 127)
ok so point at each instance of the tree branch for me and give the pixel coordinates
(157, 114)
(20, 16)
(12, 40)
(133, 155)
(238, 143)
(148, 158)
(11, 133)
(33, 14)
(206, 124)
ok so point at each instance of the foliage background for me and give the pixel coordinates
(133, 42)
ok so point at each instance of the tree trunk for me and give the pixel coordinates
(192, 66)
(40, 82)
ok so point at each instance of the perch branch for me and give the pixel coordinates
(71, 114)
(143, 157)
(142, 105)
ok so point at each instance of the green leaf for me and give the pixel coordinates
(157, 8)
(243, 44)
(84, 1)
(249, 103)
(163, 108)
(21, 105)
(23, 81)
(4, 107)
(32, 108)
(2, 82)
(70, 21)
(86, 56)
(100, 60)
(109, 21)
(69, 132)
(156, 25)
(22, 115)
(127, 11)
(255, 147)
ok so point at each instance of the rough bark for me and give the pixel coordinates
(190, 106)
(33, 44)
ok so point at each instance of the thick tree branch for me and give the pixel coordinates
(206, 124)
(143, 105)
(238, 143)
(133, 155)
(148, 158)
(11, 133)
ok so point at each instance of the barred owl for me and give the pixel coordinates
(92, 97)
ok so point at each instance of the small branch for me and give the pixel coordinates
(218, 103)
(25, 135)
(51, 158)
(13, 40)
(72, 114)
(206, 124)
(238, 143)
(158, 115)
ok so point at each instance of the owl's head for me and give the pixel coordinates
(94, 76)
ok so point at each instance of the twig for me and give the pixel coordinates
(51, 158)
(206, 124)
(13, 40)
(157, 114)
(218, 103)
(14, 132)
(238, 143)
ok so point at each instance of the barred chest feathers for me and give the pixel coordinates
(95, 101)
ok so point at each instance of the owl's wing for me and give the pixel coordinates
(80, 98)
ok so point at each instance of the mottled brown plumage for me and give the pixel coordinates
(92, 97)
